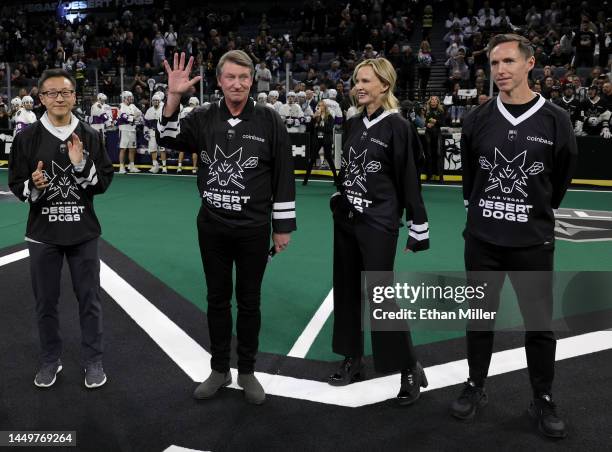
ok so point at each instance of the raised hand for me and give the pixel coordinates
(75, 149)
(178, 75)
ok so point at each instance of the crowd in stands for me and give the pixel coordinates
(321, 45)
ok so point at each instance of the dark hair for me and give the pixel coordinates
(52, 73)
(524, 44)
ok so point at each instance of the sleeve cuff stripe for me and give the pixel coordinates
(283, 215)
(283, 205)
(419, 227)
(419, 237)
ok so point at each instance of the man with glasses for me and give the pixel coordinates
(57, 165)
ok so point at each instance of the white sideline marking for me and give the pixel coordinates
(194, 360)
(174, 448)
(14, 257)
(302, 345)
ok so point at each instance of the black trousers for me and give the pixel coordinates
(314, 154)
(359, 247)
(435, 160)
(221, 247)
(530, 272)
(46, 263)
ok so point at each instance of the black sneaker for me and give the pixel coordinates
(544, 411)
(412, 381)
(350, 371)
(94, 375)
(469, 401)
(47, 374)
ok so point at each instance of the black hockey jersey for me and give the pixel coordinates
(379, 175)
(62, 214)
(591, 116)
(571, 105)
(245, 166)
(516, 171)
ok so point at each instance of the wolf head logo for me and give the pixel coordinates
(228, 169)
(62, 182)
(509, 174)
(356, 169)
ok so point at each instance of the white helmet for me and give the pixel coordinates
(262, 97)
(16, 102)
(301, 95)
(194, 101)
(101, 97)
(273, 94)
(158, 97)
(160, 94)
(126, 95)
(332, 93)
(27, 100)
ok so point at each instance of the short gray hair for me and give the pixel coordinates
(238, 57)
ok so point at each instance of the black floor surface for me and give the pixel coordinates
(147, 404)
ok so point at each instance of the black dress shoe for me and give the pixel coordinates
(350, 371)
(412, 381)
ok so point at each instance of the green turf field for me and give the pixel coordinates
(151, 219)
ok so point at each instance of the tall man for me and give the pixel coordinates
(58, 165)
(519, 152)
(245, 176)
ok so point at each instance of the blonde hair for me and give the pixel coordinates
(385, 72)
(428, 107)
(327, 113)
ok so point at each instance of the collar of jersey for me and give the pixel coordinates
(244, 115)
(528, 114)
(375, 117)
(65, 132)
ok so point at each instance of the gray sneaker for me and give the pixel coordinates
(209, 387)
(253, 391)
(47, 374)
(94, 375)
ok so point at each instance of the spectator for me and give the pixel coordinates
(584, 41)
(263, 77)
(170, 39)
(159, 49)
(457, 65)
(427, 23)
(425, 60)
(434, 120)
(557, 58)
(407, 67)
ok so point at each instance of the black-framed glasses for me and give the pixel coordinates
(53, 94)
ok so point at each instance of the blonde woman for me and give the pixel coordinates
(425, 59)
(379, 181)
(434, 119)
(322, 135)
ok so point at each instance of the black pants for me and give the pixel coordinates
(435, 160)
(45, 269)
(314, 154)
(359, 247)
(221, 247)
(530, 272)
